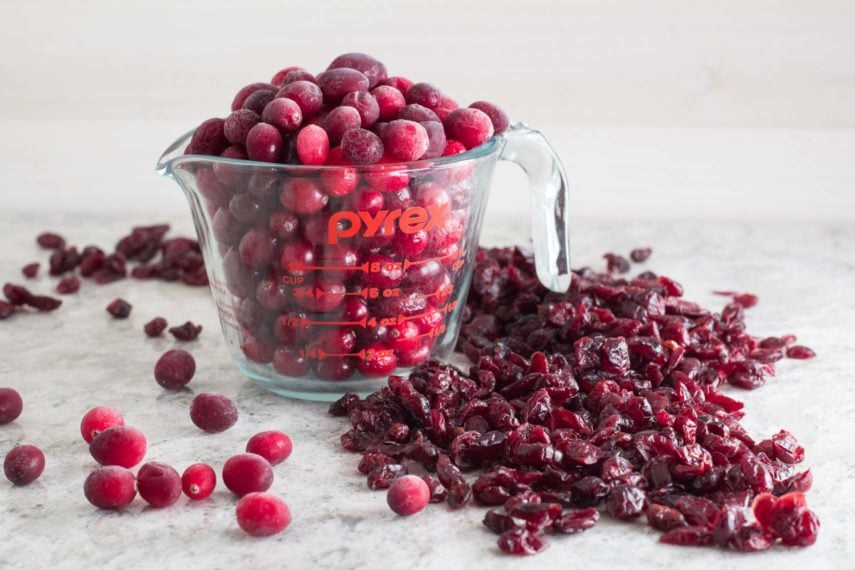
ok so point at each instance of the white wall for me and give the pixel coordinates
(91, 92)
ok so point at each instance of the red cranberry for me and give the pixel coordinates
(50, 240)
(334, 368)
(24, 464)
(365, 104)
(284, 114)
(155, 327)
(384, 271)
(271, 294)
(340, 181)
(256, 248)
(119, 445)
(453, 147)
(410, 245)
(405, 140)
(436, 139)
(337, 82)
(469, 126)
(213, 413)
(378, 361)
(274, 446)
(800, 352)
(402, 84)
(404, 336)
(280, 76)
(424, 94)
(262, 514)
(306, 94)
(296, 255)
(264, 143)
(386, 176)
(360, 146)
(417, 113)
(245, 92)
(313, 145)
(302, 196)
(237, 125)
(259, 100)
(11, 405)
(335, 340)
(99, 419)
(389, 100)
(283, 224)
(339, 121)
(366, 200)
(110, 488)
(355, 309)
(158, 484)
(408, 495)
(209, 138)
(30, 270)
(373, 69)
(119, 308)
(322, 297)
(174, 369)
(198, 481)
(299, 75)
(413, 356)
(247, 473)
(497, 115)
(247, 208)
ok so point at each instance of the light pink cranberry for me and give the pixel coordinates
(313, 145)
(262, 514)
(469, 126)
(408, 495)
(405, 140)
(390, 101)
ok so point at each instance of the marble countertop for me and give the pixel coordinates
(66, 362)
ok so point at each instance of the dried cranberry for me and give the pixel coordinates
(186, 332)
(119, 308)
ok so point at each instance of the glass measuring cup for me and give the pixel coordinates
(328, 279)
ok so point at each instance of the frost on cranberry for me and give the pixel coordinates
(497, 116)
(11, 405)
(110, 488)
(274, 446)
(470, 127)
(99, 419)
(213, 413)
(247, 473)
(408, 495)
(119, 445)
(158, 484)
(24, 464)
(174, 369)
(262, 514)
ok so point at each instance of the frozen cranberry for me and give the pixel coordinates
(402, 84)
(99, 419)
(299, 75)
(119, 445)
(67, 285)
(360, 146)
(274, 446)
(436, 139)
(424, 94)
(404, 336)
(158, 484)
(387, 176)
(209, 138)
(313, 145)
(373, 69)
(110, 488)
(408, 495)
(365, 104)
(384, 271)
(337, 82)
(30, 270)
(247, 208)
(198, 481)
(335, 340)
(453, 147)
(306, 94)
(417, 113)
(50, 240)
(119, 308)
(245, 92)
(497, 116)
(262, 514)
(339, 121)
(334, 368)
(469, 126)
(410, 245)
(259, 100)
(366, 200)
(283, 224)
(302, 196)
(355, 309)
(256, 248)
(11, 405)
(174, 369)
(238, 124)
(272, 294)
(264, 143)
(247, 473)
(389, 100)
(280, 76)
(24, 464)
(378, 361)
(284, 114)
(186, 332)
(340, 181)
(296, 255)
(213, 413)
(405, 140)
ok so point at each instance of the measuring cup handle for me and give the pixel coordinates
(549, 206)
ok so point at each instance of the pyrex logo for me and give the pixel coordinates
(348, 224)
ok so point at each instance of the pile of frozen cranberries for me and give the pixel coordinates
(347, 263)
(605, 397)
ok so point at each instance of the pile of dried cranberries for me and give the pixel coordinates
(603, 397)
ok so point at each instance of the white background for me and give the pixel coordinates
(713, 109)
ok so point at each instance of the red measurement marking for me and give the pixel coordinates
(443, 291)
(433, 333)
(408, 263)
(319, 354)
(360, 323)
(298, 266)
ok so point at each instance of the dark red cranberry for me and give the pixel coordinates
(119, 445)
(67, 285)
(262, 514)
(247, 473)
(417, 113)
(110, 488)
(640, 254)
(378, 361)
(389, 100)
(497, 116)
(334, 368)
(186, 332)
(159, 484)
(373, 69)
(800, 352)
(30, 270)
(408, 495)
(119, 308)
(99, 419)
(306, 94)
(289, 362)
(284, 114)
(339, 121)
(245, 92)
(470, 127)
(273, 445)
(11, 405)
(522, 542)
(365, 104)
(155, 327)
(302, 196)
(280, 76)
(174, 369)
(337, 82)
(24, 464)
(50, 240)
(198, 481)
(209, 138)
(213, 413)
(264, 143)
(361, 146)
(237, 125)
